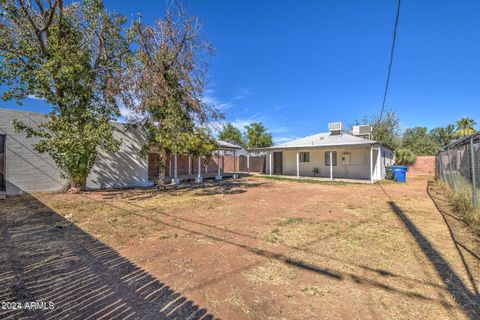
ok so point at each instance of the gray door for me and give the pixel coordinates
(2, 162)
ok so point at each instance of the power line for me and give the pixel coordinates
(391, 59)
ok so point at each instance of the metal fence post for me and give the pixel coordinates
(474, 183)
(450, 181)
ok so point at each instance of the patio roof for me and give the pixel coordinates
(323, 140)
(227, 145)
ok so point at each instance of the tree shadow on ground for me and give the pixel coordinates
(208, 188)
(261, 251)
(46, 258)
(467, 299)
(446, 210)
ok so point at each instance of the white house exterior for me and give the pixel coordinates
(334, 155)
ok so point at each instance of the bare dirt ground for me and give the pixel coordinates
(263, 249)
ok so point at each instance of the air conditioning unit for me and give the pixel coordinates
(335, 126)
(361, 131)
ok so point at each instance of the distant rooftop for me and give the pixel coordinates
(324, 140)
(227, 145)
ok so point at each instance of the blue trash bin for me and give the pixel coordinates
(400, 173)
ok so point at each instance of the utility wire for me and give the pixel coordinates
(391, 60)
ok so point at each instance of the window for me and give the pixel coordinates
(327, 158)
(304, 156)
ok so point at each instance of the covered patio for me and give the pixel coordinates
(187, 167)
(306, 178)
(329, 156)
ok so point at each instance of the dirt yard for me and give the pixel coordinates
(263, 249)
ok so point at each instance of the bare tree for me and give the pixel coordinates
(167, 82)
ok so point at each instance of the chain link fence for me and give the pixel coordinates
(457, 166)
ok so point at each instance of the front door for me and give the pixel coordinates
(277, 163)
(2, 163)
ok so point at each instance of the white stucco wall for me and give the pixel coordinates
(124, 168)
(359, 167)
(385, 159)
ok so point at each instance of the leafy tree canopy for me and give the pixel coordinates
(405, 157)
(231, 134)
(443, 136)
(465, 127)
(256, 136)
(419, 141)
(72, 57)
(165, 85)
(385, 130)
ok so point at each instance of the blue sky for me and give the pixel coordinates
(297, 65)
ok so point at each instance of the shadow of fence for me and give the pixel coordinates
(468, 300)
(45, 258)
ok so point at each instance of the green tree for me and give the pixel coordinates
(72, 57)
(256, 136)
(385, 130)
(443, 135)
(404, 157)
(465, 127)
(231, 134)
(166, 85)
(419, 141)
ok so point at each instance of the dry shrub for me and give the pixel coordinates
(462, 201)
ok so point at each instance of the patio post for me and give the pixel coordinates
(270, 162)
(175, 179)
(189, 165)
(219, 174)
(331, 165)
(248, 162)
(199, 178)
(234, 164)
(371, 164)
(298, 165)
(474, 182)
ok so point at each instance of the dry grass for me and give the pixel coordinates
(264, 249)
(461, 198)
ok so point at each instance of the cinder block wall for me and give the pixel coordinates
(424, 166)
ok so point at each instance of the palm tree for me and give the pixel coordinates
(448, 134)
(465, 127)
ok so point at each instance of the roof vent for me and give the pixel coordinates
(335, 128)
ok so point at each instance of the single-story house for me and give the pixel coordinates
(23, 170)
(336, 154)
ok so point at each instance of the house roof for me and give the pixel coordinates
(324, 140)
(227, 145)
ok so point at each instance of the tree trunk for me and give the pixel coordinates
(77, 186)
(163, 160)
